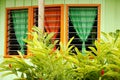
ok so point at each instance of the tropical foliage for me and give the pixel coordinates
(65, 63)
(43, 63)
(108, 55)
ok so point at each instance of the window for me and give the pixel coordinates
(83, 23)
(83, 26)
(52, 20)
(16, 29)
(19, 22)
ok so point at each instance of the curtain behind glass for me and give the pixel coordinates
(20, 22)
(52, 20)
(83, 20)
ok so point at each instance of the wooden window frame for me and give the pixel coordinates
(6, 54)
(64, 20)
(30, 24)
(61, 21)
(83, 5)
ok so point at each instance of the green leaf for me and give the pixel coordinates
(6, 74)
(68, 44)
(93, 50)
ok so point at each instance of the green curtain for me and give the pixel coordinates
(20, 23)
(83, 20)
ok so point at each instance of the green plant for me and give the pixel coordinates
(107, 51)
(45, 62)
(105, 64)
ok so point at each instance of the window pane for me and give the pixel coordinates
(82, 17)
(51, 21)
(17, 29)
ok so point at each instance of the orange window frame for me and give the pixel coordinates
(61, 21)
(6, 54)
(30, 24)
(83, 5)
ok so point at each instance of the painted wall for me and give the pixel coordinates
(110, 19)
(111, 16)
(4, 4)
